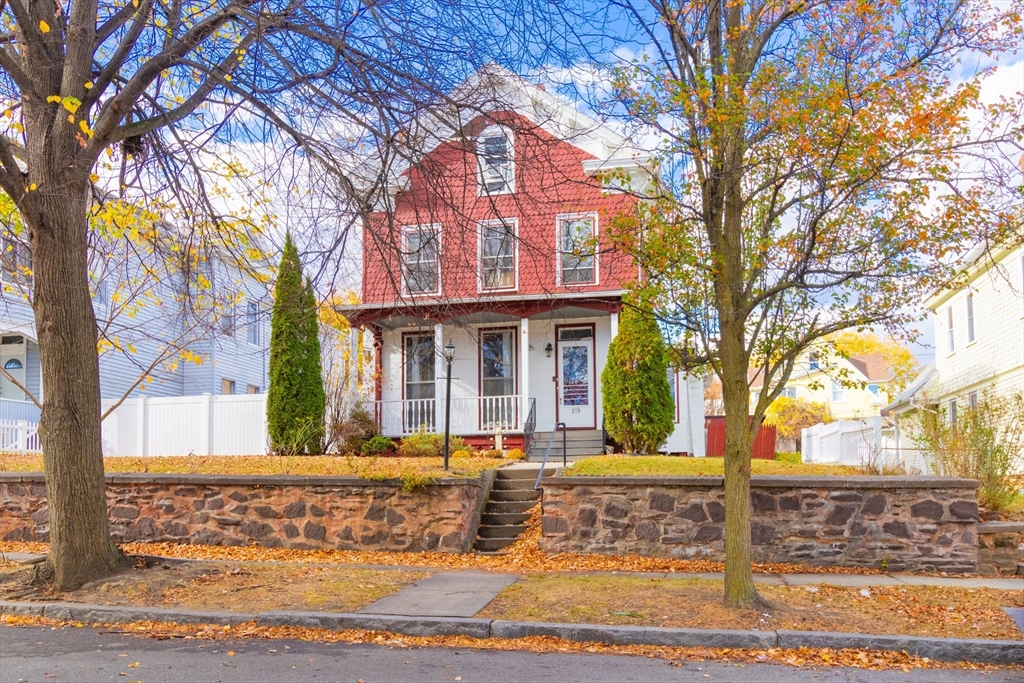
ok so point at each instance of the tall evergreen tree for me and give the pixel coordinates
(638, 406)
(295, 399)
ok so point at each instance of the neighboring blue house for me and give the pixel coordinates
(164, 332)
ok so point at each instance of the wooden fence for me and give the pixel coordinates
(714, 427)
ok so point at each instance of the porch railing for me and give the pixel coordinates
(469, 415)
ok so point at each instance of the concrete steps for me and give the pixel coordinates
(508, 508)
(578, 444)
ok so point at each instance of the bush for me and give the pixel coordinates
(789, 456)
(492, 453)
(377, 445)
(515, 454)
(428, 445)
(352, 431)
(792, 415)
(984, 443)
(461, 453)
(638, 406)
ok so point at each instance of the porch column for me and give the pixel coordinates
(524, 371)
(614, 325)
(439, 370)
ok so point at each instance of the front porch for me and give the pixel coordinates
(513, 371)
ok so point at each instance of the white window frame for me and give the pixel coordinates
(950, 337)
(559, 219)
(252, 323)
(972, 400)
(510, 181)
(971, 336)
(838, 390)
(952, 411)
(436, 228)
(876, 392)
(512, 223)
(813, 362)
(788, 392)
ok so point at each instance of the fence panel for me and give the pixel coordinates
(764, 442)
(856, 443)
(183, 425)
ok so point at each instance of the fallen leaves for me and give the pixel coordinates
(863, 659)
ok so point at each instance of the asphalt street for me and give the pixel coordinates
(84, 655)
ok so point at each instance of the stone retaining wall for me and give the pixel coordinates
(899, 523)
(1000, 547)
(272, 511)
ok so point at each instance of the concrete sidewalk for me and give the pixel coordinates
(447, 594)
(832, 579)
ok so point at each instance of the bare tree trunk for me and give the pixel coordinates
(81, 548)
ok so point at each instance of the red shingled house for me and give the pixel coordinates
(495, 239)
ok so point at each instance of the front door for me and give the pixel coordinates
(576, 377)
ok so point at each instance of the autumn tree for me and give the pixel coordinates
(638, 406)
(818, 174)
(145, 97)
(792, 415)
(903, 366)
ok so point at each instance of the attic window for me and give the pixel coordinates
(496, 156)
(13, 364)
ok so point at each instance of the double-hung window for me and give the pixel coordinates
(496, 157)
(252, 323)
(420, 259)
(577, 249)
(950, 339)
(970, 317)
(498, 254)
(812, 361)
(837, 392)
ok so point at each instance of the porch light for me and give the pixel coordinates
(548, 349)
(449, 351)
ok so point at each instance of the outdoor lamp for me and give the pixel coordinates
(449, 355)
(548, 349)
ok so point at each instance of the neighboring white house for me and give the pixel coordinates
(979, 340)
(157, 324)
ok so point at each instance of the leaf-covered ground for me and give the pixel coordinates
(231, 587)
(668, 466)
(310, 465)
(697, 603)
(802, 657)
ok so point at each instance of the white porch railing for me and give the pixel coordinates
(472, 415)
(20, 436)
(856, 443)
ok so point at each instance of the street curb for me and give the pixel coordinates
(943, 649)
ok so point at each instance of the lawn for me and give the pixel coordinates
(666, 466)
(233, 587)
(697, 603)
(416, 471)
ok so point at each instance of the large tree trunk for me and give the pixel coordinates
(740, 591)
(81, 548)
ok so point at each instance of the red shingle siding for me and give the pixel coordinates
(550, 181)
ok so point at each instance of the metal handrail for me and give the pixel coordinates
(547, 452)
(529, 426)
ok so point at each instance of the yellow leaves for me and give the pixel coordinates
(53, 98)
(44, 27)
(71, 103)
(88, 85)
(85, 128)
(93, 178)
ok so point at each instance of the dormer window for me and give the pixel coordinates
(496, 156)
(420, 259)
(577, 257)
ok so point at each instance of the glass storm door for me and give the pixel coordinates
(576, 377)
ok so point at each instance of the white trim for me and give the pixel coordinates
(481, 186)
(950, 334)
(559, 253)
(972, 333)
(514, 222)
(436, 227)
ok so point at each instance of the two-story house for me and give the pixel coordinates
(495, 241)
(850, 388)
(979, 337)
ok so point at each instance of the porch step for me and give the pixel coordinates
(515, 484)
(522, 473)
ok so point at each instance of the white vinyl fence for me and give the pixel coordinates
(856, 443)
(20, 436)
(183, 425)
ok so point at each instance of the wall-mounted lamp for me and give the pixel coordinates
(548, 349)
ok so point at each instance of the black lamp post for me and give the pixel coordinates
(449, 356)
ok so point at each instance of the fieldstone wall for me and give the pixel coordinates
(899, 523)
(272, 511)
(1000, 547)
